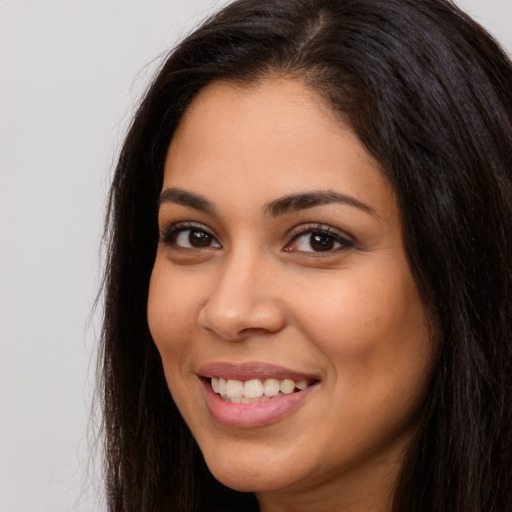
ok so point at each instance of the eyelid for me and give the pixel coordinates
(346, 241)
(339, 236)
(167, 232)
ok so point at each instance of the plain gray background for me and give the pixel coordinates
(70, 74)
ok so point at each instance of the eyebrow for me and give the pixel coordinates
(184, 198)
(280, 206)
(302, 201)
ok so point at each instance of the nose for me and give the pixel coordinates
(244, 300)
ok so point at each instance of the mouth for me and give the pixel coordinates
(256, 390)
(254, 394)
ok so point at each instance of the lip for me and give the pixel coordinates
(252, 370)
(257, 414)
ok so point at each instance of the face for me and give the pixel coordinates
(292, 335)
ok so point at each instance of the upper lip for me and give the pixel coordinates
(252, 370)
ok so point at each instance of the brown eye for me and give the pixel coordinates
(321, 242)
(199, 238)
(191, 238)
(318, 240)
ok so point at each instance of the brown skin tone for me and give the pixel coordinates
(258, 286)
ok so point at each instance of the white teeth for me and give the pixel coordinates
(253, 390)
(287, 386)
(245, 400)
(301, 384)
(234, 388)
(271, 387)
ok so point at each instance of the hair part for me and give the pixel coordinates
(427, 91)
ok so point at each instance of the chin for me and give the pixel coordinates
(250, 474)
(254, 481)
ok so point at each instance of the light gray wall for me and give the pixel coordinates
(70, 72)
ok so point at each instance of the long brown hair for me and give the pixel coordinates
(428, 92)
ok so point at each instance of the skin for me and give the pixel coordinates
(258, 290)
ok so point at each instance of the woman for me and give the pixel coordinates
(310, 228)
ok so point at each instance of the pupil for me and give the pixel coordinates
(321, 242)
(199, 239)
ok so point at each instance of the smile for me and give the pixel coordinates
(256, 390)
(254, 394)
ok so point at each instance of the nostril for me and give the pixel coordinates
(235, 319)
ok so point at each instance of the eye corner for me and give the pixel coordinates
(318, 240)
(188, 236)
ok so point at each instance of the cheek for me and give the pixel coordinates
(172, 311)
(377, 341)
(370, 325)
(173, 304)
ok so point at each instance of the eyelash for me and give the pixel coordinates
(323, 230)
(168, 237)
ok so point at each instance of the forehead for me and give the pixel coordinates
(276, 137)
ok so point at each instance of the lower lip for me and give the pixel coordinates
(252, 415)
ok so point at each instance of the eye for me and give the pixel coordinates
(189, 236)
(318, 239)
